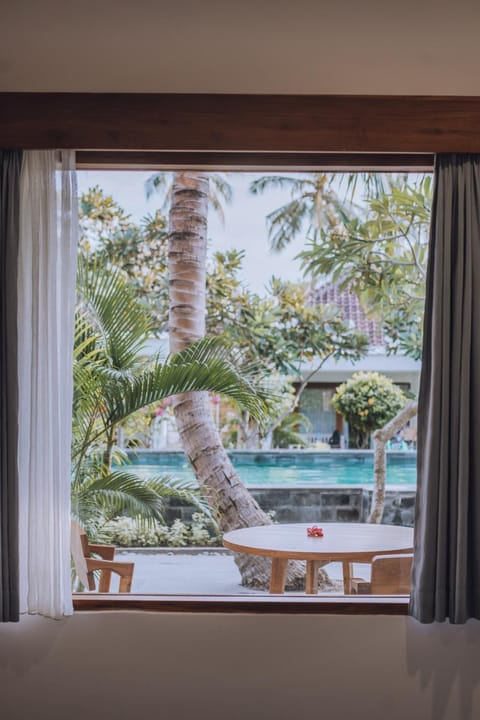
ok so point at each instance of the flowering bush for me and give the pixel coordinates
(125, 532)
(367, 401)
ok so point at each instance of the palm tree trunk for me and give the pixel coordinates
(227, 495)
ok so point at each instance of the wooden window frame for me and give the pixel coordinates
(243, 132)
(245, 604)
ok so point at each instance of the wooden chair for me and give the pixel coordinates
(390, 576)
(85, 564)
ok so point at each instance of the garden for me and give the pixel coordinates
(175, 352)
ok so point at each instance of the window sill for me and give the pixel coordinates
(271, 605)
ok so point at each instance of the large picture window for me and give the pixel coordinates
(274, 133)
(287, 263)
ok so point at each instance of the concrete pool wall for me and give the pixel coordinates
(305, 502)
(321, 504)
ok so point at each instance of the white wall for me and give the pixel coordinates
(139, 665)
(235, 46)
(397, 367)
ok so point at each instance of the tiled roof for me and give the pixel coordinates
(353, 313)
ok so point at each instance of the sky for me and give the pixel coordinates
(245, 221)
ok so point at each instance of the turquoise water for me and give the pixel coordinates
(335, 467)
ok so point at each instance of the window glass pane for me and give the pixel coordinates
(279, 311)
(316, 405)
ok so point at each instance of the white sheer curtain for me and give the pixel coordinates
(46, 297)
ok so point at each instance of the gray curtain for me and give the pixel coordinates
(10, 163)
(446, 570)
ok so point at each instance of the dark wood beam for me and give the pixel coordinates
(240, 123)
(248, 161)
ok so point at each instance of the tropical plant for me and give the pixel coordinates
(199, 532)
(289, 431)
(381, 255)
(314, 205)
(113, 378)
(286, 330)
(291, 336)
(282, 329)
(220, 191)
(235, 507)
(109, 235)
(189, 200)
(367, 401)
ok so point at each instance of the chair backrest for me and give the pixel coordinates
(391, 574)
(78, 543)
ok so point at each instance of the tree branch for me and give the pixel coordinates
(298, 394)
(380, 439)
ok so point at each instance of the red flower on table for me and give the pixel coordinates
(315, 531)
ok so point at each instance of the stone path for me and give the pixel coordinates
(211, 572)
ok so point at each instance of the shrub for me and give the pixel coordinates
(125, 532)
(367, 401)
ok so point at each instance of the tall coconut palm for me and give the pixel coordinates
(220, 191)
(313, 206)
(113, 378)
(215, 473)
(320, 202)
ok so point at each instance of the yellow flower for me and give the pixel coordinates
(371, 401)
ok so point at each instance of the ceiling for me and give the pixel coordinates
(248, 46)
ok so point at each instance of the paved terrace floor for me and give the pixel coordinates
(211, 572)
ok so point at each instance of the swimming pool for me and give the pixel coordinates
(285, 467)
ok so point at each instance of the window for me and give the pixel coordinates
(120, 242)
(238, 125)
(316, 404)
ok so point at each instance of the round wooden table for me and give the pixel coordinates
(342, 542)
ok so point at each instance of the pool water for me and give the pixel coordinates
(334, 467)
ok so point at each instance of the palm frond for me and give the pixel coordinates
(266, 182)
(220, 194)
(285, 222)
(180, 489)
(220, 191)
(106, 398)
(114, 312)
(204, 366)
(100, 497)
(116, 493)
(158, 182)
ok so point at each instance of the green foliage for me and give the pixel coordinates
(100, 495)
(108, 235)
(113, 379)
(288, 432)
(225, 291)
(281, 330)
(367, 401)
(313, 206)
(136, 430)
(124, 532)
(242, 431)
(381, 255)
